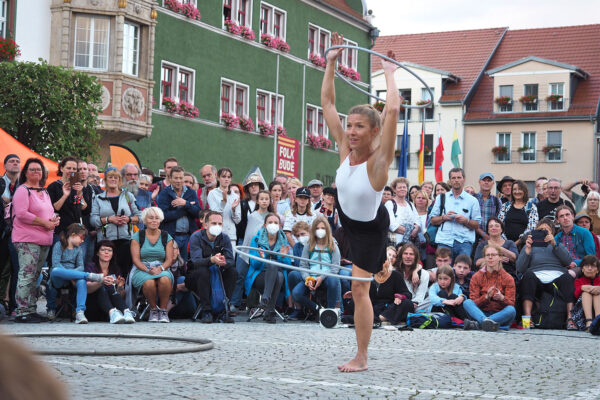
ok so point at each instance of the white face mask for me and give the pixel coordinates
(215, 230)
(272, 228)
(303, 240)
(321, 233)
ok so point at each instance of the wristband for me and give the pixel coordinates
(163, 268)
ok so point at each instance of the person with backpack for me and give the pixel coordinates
(404, 220)
(544, 265)
(210, 247)
(518, 215)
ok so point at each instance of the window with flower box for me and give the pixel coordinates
(272, 20)
(131, 48)
(557, 96)
(315, 123)
(506, 91)
(92, 38)
(234, 98)
(503, 140)
(3, 17)
(553, 147)
(528, 147)
(269, 108)
(348, 57)
(238, 11)
(531, 90)
(319, 40)
(176, 83)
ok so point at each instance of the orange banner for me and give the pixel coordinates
(10, 145)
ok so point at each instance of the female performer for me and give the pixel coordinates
(366, 152)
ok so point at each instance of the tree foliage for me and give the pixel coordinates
(51, 109)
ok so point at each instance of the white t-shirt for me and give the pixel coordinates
(406, 214)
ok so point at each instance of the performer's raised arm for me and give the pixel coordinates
(336, 130)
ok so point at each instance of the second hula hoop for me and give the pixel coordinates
(399, 64)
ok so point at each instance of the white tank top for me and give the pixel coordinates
(358, 199)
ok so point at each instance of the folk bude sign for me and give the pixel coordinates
(287, 156)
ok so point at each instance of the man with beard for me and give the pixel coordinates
(131, 176)
(209, 176)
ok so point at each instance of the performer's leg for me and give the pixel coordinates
(363, 321)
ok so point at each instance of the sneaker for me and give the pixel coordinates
(95, 277)
(51, 315)
(28, 319)
(116, 317)
(224, 319)
(296, 315)
(128, 315)
(80, 317)
(235, 310)
(470, 325)
(163, 316)
(207, 318)
(489, 325)
(153, 317)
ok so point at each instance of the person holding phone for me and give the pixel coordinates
(67, 195)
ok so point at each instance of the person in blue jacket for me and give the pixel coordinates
(578, 241)
(181, 208)
(264, 277)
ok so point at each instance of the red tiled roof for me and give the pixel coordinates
(343, 6)
(575, 45)
(462, 53)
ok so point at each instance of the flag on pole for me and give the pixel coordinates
(439, 156)
(455, 150)
(402, 164)
(422, 154)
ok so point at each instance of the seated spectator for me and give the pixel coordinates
(542, 268)
(301, 211)
(320, 247)
(389, 295)
(518, 215)
(67, 266)
(152, 258)
(301, 230)
(577, 240)
(463, 273)
(105, 299)
(415, 277)
(446, 295)
(224, 201)
(442, 257)
(591, 207)
(587, 293)
(211, 247)
(495, 229)
(182, 304)
(345, 261)
(585, 221)
(492, 294)
(266, 278)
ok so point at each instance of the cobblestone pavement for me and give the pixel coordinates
(297, 360)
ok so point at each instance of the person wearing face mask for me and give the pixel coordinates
(301, 230)
(210, 247)
(321, 247)
(266, 278)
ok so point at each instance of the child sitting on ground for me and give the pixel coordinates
(587, 293)
(445, 295)
(442, 257)
(463, 273)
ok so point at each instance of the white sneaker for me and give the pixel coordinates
(163, 316)
(116, 317)
(128, 315)
(95, 277)
(153, 317)
(80, 317)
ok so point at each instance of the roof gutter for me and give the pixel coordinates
(476, 121)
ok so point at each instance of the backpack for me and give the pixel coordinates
(436, 320)
(595, 326)
(432, 229)
(164, 237)
(552, 311)
(217, 292)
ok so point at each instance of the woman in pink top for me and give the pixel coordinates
(33, 225)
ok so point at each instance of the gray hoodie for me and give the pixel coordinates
(544, 259)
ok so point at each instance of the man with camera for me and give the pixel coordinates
(578, 199)
(208, 247)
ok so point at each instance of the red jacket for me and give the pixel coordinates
(483, 280)
(579, 282)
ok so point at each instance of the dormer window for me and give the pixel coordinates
(505, 99)
(530, 99)
(556, 97)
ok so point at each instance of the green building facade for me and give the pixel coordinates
(201, 62)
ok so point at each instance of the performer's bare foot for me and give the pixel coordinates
(357, 364)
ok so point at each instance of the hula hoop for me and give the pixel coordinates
(239, 249)
(294, 257)
(342, 77)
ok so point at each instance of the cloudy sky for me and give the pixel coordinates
(394, 17)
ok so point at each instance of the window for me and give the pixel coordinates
(349, 56)
(318, 40)
(528, 147)
(192, 2)
(315, 123)
(556, 89)
(428, 158)
(503, 140)
(554, 146)
(239, 11)
(404, 112)
(91, 42)
(131, 48)
(176, 82)
(532, 91)
(227, 9)
(269, 108)
(3, 17)
(506, 91)
(425, 96)
(238, 105)
(272, 20)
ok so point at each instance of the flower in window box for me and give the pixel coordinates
(554, 98)
(265, 128)
(247, 33)
(281, 131)
(173, 5)
(188, 110)
(230, 121)
(282, 45)
(551, 149)
(379, 106)
(530, 99)
(170, 105)
(317, 60)
(232, 27)
(500, 150)
(404, 102)
(266, 39)
(524, 148)
(503, 100)
(423, 102)
(8, 49)
(314, 141)
(246, 124)
(348, 72)
(427, 151)
(190, 11)
(325, 143)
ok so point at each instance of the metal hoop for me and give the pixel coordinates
(342, 77)
(239, 250)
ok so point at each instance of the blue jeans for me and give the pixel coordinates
(182, 243)
(459, 248)
(58, 277)
(503, 317)
(241, 267)
(346, 283)
(334, 293)
(88, 246)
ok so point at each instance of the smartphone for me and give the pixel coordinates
(74, 178)
(538, 236)
(122, 213)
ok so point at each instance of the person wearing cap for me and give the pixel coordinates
(489, 205)
(585, 221)
(316, 192)
(328, 210)
(504, 187)
(8, 184)
(301, 211)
